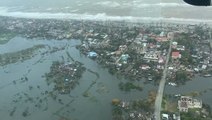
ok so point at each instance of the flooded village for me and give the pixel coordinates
(131, 57)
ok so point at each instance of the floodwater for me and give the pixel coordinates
(198, 84)
(17, 97)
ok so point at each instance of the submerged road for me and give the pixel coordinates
(159, 96)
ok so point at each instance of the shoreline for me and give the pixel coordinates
(103, 17)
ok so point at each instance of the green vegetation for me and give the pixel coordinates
(129, 86)
(169, 104)
(194, 93)
(26, 54)
(5, 37)
(181, 76)
(192, 114)
(157, 75)
(65, 76)
(201, 31)
(112, 70)
(165, 45)
(185, 39)
(122, 109)
(141, 104)
(197, 114)
(151, 40)
(189, 43)
(186, 59)
(117, 113)
(145, 104)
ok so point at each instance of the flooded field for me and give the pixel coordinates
(199, 87)
(25, 93)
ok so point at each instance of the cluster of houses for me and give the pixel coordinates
(170, 117)
(195, 58)
(115, 39)
(100, 40)
(131, 50)
(146, 46)
(129, 113)
(65, 76)
(176, 54)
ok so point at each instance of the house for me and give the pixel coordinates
(104, 43)
(180, 47)
(161, 60)
(176, 55)
(162, 34)
(161, 39)
(196, 69)
(145, 67)
(197, 103)
(204, 67)
(174, 45)
(160, 67)
(122, 47)
(124, 58)
(171, 68)
(165, 116)
(152, 56)
(92, 54)
(139, 47)
(139, 37)
(187, 102)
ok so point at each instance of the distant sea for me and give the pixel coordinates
(131, 10)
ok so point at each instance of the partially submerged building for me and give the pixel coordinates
(187, 102)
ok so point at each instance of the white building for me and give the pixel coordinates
(187, 102)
